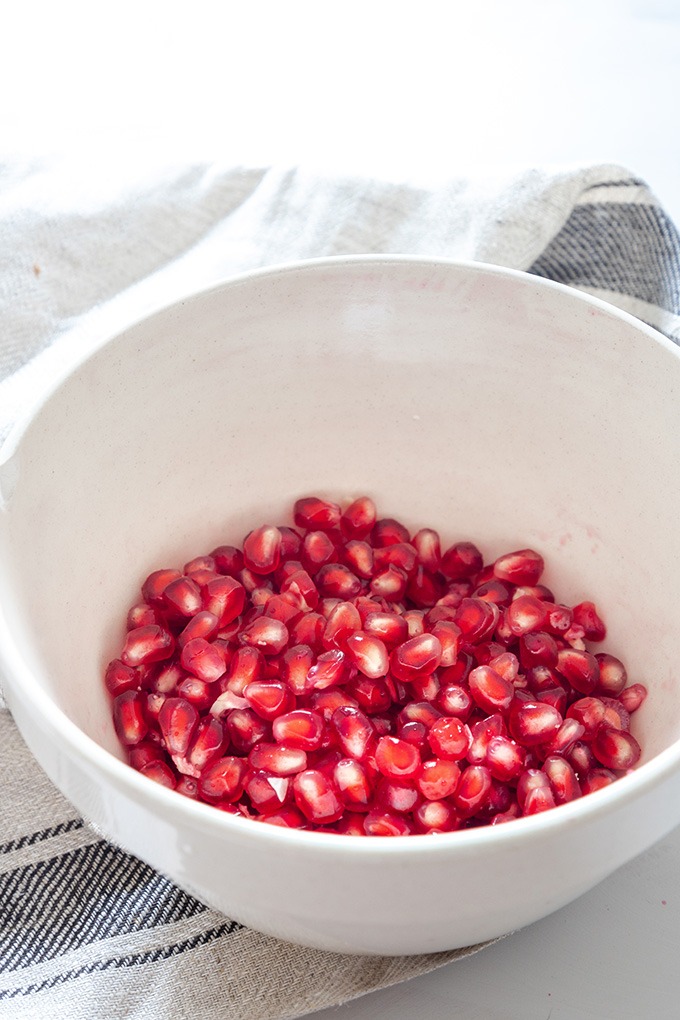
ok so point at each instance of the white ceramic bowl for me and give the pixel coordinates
(487, 403)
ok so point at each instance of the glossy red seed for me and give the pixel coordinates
(183, 596)
(129, 717)
(612, 677)
(563, 782)
(397, 759)
(301, 728)
(372, 695)
(269, 636)
(532, 723)
(413, 732)
(615, 749)
(596, 779)
(587, 616)
(142, 615)
(436, 816)
(330, 669)
(353, 784)
(245, 729)
(156, 583)
(313, 513)
(526, 614)
(389, 583)
(178, 720)
(449, 636)
(399, 554)
(417, 657)
(393, 795)
(461, 560)
(414, 620)
(300, 585)
(539, 649)
(160, 773)
(449, 738)
(589, 712)
(335, 580)
(580, 668)
(388, 531)
(368, 654)
(494, 591)
(632, 697)
(580, 757)
(358, 556)
(262, 549)
(308, 630)
(482, 731)
(247, 665)
(477, 619)
(269, 700)
(208, 744)
(454, 700)
(438, 778)
(472, 792)
(316, 551)
(203, 625)
(359, 518)
(428, 547)
(268, 793)
(199, 658)
(423, 588)
(354, 730)
(225, 598)
(566, 736)
(144, 752)
(280, 759)
(491, 691)
(283, 607)
(223, 779)
(391, 628)
(504, 758)
(524, 566)
(316, 797)
(343, 620)
(119, 677)
(228, 559)
(144, 645)
(386, 823)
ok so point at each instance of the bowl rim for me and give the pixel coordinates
(21, 685)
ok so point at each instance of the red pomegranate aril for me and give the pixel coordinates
(262, 549)
(142, 615)
(615, 749)
(537, 649)
(615, 715)
(524, 566)
(596, 779)
(280, 759)
(119, 678)
(156, 583)
(472, 792)
(494, 591)
(386, 823)
(526, 614)
(392, 795)
(228, 559)
(246, 729)
(343, 620)
(368, 654)
(269, 700)
(538, 799)
(148, 644)
(316, 797)
(491, 691)
(413, 732)
(269, 636)
(533, 723)
(129, 717)
(632, 697)
(581, 757)
(454, 700)
(247, 665)
(580, 668)
(268, 793)
(152, 706)
(531, 779)
(590, 712)
(587, 616)
(359, 558)
(287, 818)
(301, 728)
(296, 662)
(183, 596)
(391, 628)
(225, 598)
(560, 619)
(569, 732)
(422, 712)
(438, 778)
(460, 671)
(313, 513)
(317, 550)
(414, 620)
(399, 554)
(436, 816)
(208, 744)
(397, 759)
(389, 583)
(223, 779)
(555, 696)
(506, 664)
(449, 636)
(428, 547)
(359, 518)
(178, 720)
(291, 543)
(325, 702)
(449, 738)
(335, 580)
(199, 564)
(562, 778)
(308, 630)
(199, 658)
(482, 731)
(372, 694)
(203, 625)
(143, 753)
(462, 560)
(160, 773)
(387, 531)
(200, 694)
(282, 607)
(504, 758)
(330, 668)
(354, 731)
(417, 657)
(477, 619)
(423, 588)
(613, 676)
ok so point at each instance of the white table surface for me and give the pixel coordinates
(423, 90)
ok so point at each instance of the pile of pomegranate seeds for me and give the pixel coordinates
(347, 676)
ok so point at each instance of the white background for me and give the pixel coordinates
(419, 91)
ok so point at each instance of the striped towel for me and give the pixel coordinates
(86, 931)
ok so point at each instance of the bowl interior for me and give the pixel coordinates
(489, 405)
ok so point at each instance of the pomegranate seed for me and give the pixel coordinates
(354, 730)
(119, 677)
(203, 625)
(504, 758)
(454, 700)
(596, 779)
(615, 749)
(359, 518)
(481, 733)
(228, 559)
(178, 721)
(580, 757)
(526, 614)
(423, 588)
(160, 773)
(539, 649)
(530, 780)
(560, 619)
(397, 759)
(414, 621)
(569, 732)
(580, 668)
(147, 644)
(428, 547)
(371, 694)
(522, 567)
(472, 792)
(142, 615)
(392, 795)
(202, 660)
(284, 608)
(144, 752)
(317, 550)
(246, 666)
(494, 591)
(586, 615)
(351, 824)
(353, 784)
(129, 718)
(280, 759)
(422, 712)
(224, 597)
(532, 723)
(506, 664)
(449, 738)
(308, 630)
(438, 778)
(246, 729)
(632, 697)
(156, 583)
(343, 620)
(266, 634)
(335, 580)
(300, 728)
(491, 691)
(325, 702)
(386, 823)
(413, 732)
(389, 583)
(316, 797)
(388, 532)
(330, 668)
(390, 628)
(359, 558)
(436, 816)
(449, 636)
(296, 662)
(183, 596)
(538, 799)
(476, 618)
(268, 793)
(313, 514)
(562, 778)
(613, 676)
(200, 694)
(262, 549)
(368, 654)
(417, 657)
(460, 671)
(461, 560)
(398, 554)
(269, 700)
(208, 744)
(223, 779)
